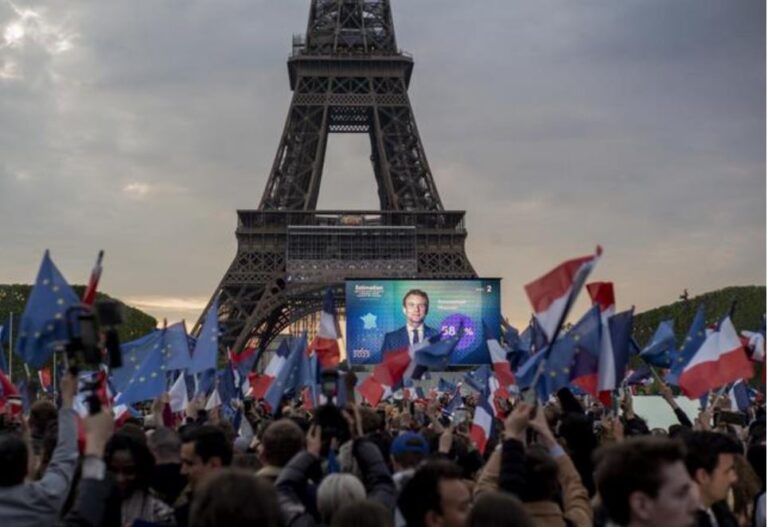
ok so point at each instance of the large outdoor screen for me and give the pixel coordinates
(383, 314)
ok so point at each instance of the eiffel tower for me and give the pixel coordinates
(347, 76)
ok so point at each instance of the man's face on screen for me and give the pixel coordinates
(415, 310)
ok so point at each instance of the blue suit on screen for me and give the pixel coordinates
(400, 338)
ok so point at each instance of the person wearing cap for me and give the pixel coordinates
(407, 452)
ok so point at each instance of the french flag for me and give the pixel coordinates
(89, 296)
(602, 295)
(553, 294)
(482, 422)
(501, 366)
(326, 342)
(721, 359)
(398, 364)
(9, 396)
(741, 396)
(261, 383)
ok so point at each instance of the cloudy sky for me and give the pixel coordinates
(140, 127)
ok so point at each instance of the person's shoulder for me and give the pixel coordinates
(399, 332)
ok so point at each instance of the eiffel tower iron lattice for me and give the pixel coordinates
(347, 76)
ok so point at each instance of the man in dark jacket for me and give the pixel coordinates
(710, 462)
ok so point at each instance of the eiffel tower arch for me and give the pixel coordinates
(347, 76)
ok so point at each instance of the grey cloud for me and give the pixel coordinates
(555, 124)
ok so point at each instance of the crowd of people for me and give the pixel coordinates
(570, 462)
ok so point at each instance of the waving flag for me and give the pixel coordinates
(602, 296)
(288, 376)
(43, 324)
(720, 360)
(455, 403)
(755, 343)
(553, 294)
(585, 345)
(3, 363)
(533, 339)
(740, 395)
(148, 382)
(207, 347)
(661, 348)
(326, 343)
(444, 386)
(435, 353)
(561, 369)
(175, 346)
(244, 360)
(526, 373)
(693, 341)
(261, 383)
(178, 394)
(620, 332)
(214, 401)
(640, 376)
(389, 374)
(482, 422)
(477, 379)
(9, 395)
(89, 295)
(501, 366)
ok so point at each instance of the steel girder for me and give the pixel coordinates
(348, 76)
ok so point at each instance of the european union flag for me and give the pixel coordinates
(288, 377)
(620, 327)
(149, 380)
(176, 347)
(533, 337)
(584, 337)
(445, 386)
(43, 325)
(134, 353)
(5, 337)
(453, 404)
(661, 348)
(3, 363)
(204, 382)
(225, 382)
(693, 341)
(437, 353)
(207, 348)
(478, 378)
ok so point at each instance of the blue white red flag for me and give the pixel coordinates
(720, 360)
(501, 366)
(553, 294)
(482, 422)
(326, 342)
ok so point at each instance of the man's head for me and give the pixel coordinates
(415, 307)
(408, 450)
(235, 497)
(204, 449)
(540, 476)
(643, 481)
(281, 441)
(710, 463)
(165, 445)
(435, 496)
(14, 458)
